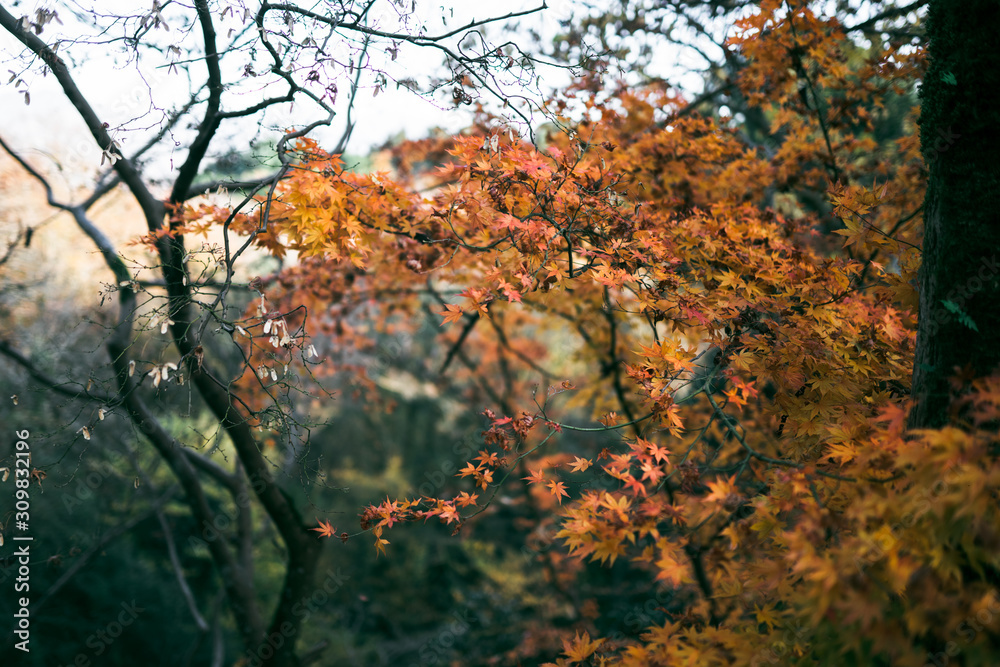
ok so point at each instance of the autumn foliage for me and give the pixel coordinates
(671, 276)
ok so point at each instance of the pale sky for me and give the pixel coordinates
(135, 105)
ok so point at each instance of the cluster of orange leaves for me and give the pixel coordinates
(794, 498)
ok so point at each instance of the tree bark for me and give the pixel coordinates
(959, 323)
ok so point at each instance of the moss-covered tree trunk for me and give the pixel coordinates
(959, 322)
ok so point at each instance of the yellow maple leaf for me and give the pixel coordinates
(581, 648)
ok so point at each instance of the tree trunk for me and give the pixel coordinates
(959, 324)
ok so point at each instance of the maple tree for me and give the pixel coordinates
(241, 65)
(788, 496)
(734, 299)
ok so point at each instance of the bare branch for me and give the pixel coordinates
(168, 537)
(105, 184)
(891, 13)
(152, 207)
(238, 587)
(210, 123)
(250, 186)
(349, 127)
(98, 547)
(11, 353)
(260, 106)
(78, 212)
(12, 246)
(415, 39)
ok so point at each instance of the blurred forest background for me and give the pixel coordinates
(99, 514)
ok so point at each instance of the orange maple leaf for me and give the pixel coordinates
(379, 541)
(325, 529)
(449, 513)
(558, 490)
(581, 647)
(469, 469)
(451, 313)
(464, 499)
(536, 476)
(658, 453)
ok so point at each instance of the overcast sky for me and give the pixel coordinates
(121, 94)
(135, 105)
